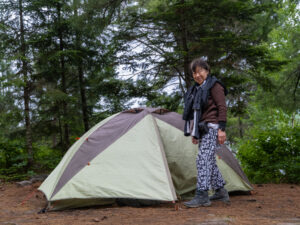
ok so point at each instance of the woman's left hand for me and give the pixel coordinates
(221, 136)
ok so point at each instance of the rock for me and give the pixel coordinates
(39, 177)
(23, 183)
(96, 220)
(34, 179)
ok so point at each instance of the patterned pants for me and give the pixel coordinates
(208, 172)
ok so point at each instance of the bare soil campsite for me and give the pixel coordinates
(268, 204)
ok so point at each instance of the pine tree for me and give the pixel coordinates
(225, 33)
(230, 35)
(16, 33)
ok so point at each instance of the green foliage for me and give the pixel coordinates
(170, 102)
(284, 44)
(13, 160)
(271, 152)
(46, 159)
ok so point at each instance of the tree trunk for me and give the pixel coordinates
(81, 77)
(26, 96)
(241, 128)
(83, 97)
(183, 34)
(54, 141)
(66, 142)
(60, 131)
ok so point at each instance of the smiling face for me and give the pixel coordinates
(200, 75)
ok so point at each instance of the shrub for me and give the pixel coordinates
(45, 158)
(13, 159)
(271, 153)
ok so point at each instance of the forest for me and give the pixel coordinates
(65, 65)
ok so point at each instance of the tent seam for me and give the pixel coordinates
(171, 185)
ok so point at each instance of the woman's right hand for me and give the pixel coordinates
(195, 141)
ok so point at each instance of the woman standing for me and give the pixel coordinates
(205, 105)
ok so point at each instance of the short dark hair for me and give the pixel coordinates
(199, 63)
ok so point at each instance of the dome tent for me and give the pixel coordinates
(135, 154)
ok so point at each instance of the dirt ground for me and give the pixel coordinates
(269, 204)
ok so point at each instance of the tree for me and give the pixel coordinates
(16, 32)
(284, 44)
(74, 63)
(230, 35)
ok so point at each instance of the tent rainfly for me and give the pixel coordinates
(135, 154)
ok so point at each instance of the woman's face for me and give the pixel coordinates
(200, 75)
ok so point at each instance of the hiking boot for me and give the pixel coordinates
(221, 194)
(201, 199)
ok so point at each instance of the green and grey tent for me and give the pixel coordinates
(136, 154)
